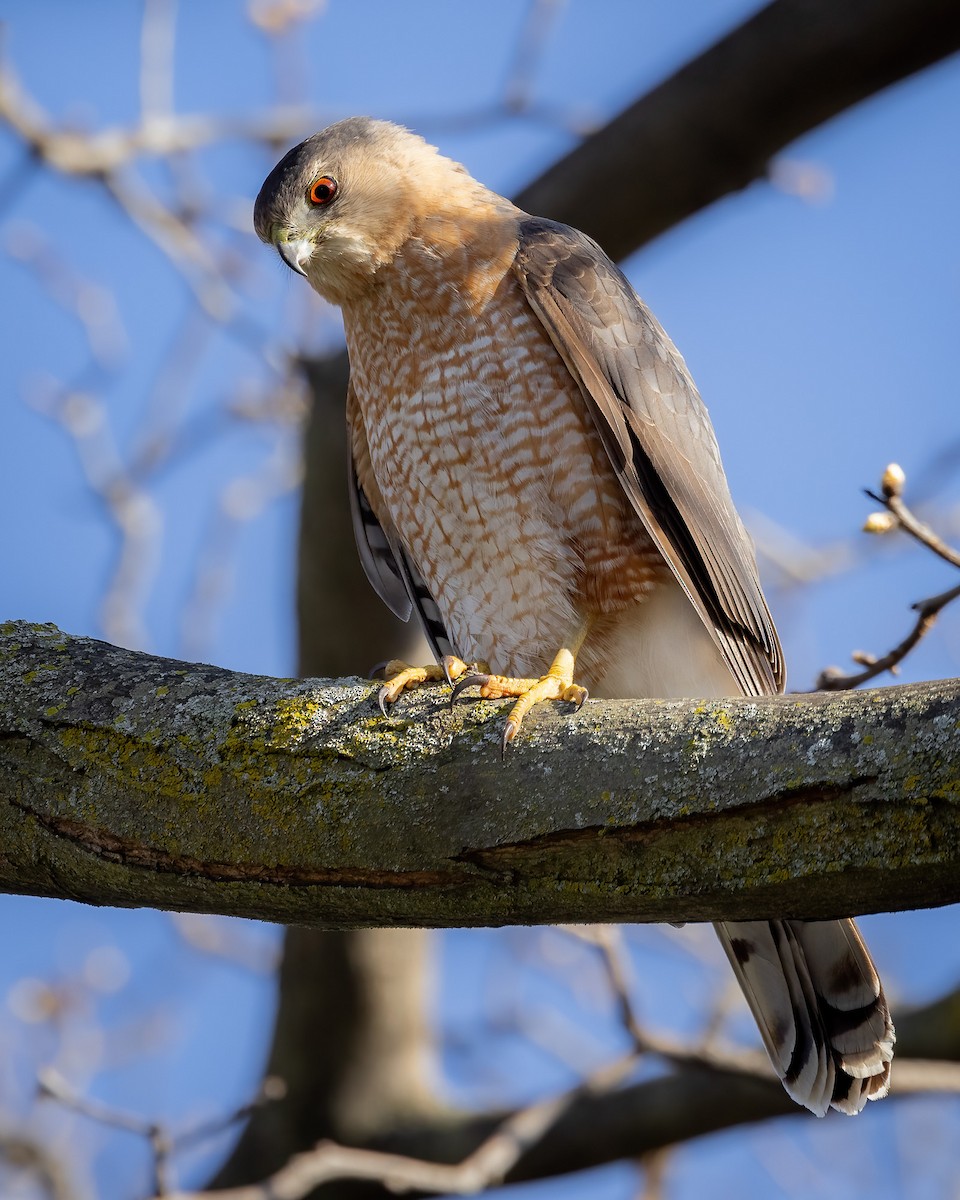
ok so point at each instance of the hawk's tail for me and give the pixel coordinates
(816, 996)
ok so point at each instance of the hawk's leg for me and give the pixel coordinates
(557, 684)
(400, 676)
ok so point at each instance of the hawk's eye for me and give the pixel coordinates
(322, 190)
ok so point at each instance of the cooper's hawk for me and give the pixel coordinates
(534, 474)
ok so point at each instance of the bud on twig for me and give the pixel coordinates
(893, 480)
(879, 522)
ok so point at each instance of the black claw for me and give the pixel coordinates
(378, 669)
(586, 697)
(467, 681)
(509, 733)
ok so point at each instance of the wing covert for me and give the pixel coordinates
(657, 435)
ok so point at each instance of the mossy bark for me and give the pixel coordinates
(127, 779)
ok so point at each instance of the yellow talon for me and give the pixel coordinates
(557, 684)
(401, 677)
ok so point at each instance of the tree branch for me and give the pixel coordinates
(133, 780)
(712, 128)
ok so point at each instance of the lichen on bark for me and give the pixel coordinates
(129, 779)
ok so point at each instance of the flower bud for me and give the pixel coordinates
(893, 480)
(879, 522)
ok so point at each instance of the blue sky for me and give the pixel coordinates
(822, 334)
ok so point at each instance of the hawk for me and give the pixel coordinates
(533, 474)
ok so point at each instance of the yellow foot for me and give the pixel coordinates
(557, 684)
(401, 677)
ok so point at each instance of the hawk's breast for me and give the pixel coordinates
(488, 463)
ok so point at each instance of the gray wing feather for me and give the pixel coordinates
(657, 435)
(377, 556)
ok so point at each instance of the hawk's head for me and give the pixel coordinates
(342, 203)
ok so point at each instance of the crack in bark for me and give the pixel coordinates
(657, 828)
(127, 852)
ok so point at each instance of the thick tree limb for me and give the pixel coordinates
(690, 141)
(132, 780)
(600, 1123)
(712, 128)
(607, 1125)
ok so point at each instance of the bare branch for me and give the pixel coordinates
(53, 1085)
(163, 1143)
(897, 515)
(910, 523)
(498, 1156)
(833, 680)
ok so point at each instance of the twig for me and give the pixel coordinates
(833, 680)
(916, 528)
(486, 1167)
(608, 940)
(897, 515)
(272, 1089)
(541, 18)
(162, 1142)
(53, 1085)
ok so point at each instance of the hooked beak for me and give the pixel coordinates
(295, 253)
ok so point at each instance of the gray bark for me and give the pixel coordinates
(132, 780)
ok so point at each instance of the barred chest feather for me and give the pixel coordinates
(487, 461)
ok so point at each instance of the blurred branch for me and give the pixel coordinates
(54, 1086)
(532, 1135)
(486, 1167)
(162, 1141)
(26, 1155)
(135, 780)
(598, 1121)
(713, 127)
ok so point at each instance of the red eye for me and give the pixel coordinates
(322, 190)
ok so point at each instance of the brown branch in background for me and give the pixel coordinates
(896, 516)
(608, 939)
(680, 147)
(597, 1121)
